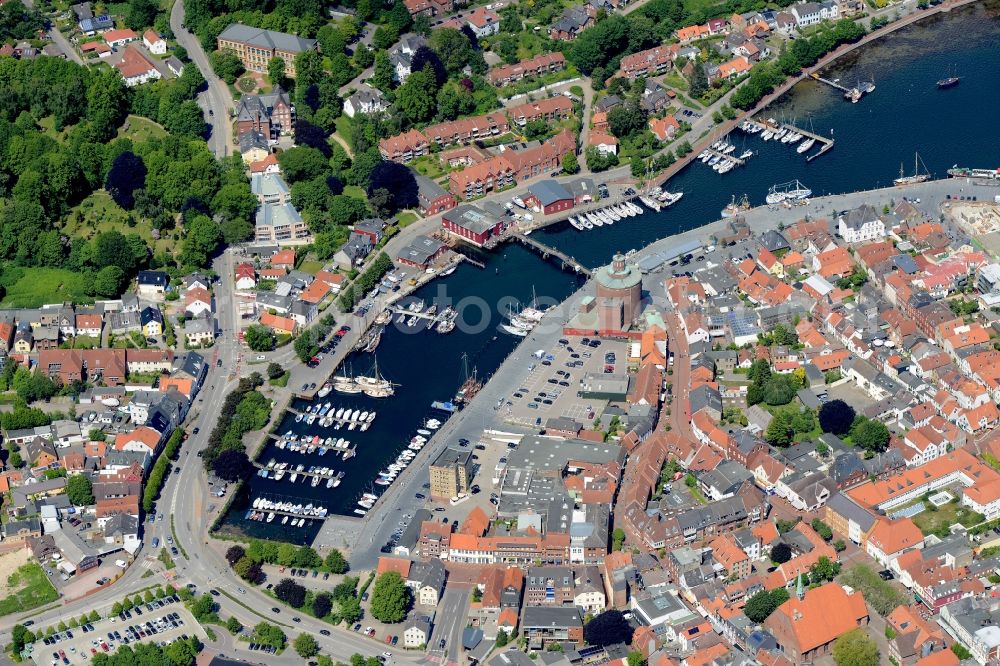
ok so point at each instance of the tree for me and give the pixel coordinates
(21, 636)
(570, 164)
(396, 179)
(276, 71)
(870, 434)
(453, 48)
(80, 490)
(335, 562)
(779, 430)
(235, 553)
(227, 66)
(302, 163)
(390, 598)
(274, 370)
(781, 553)
(202, 240)
(382, 76)
(108, 282)
(290, 592)
(234, 625)
(322, 605)
(836, 417)
(305, 645)
(416, 97)
(608, 628)
(855, 648)
(823, 570)
(501, 639)
(762, 604)
(232, 466)
(617, 538)
(259, 338)
(126, 175)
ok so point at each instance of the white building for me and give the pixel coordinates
(807, 13)
(366, 100)
(154, 42)
(861, 225)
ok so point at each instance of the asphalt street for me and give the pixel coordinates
(216, 100)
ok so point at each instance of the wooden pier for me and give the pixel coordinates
(291, 470)
(723, 156)
(826, 143)
(546, 252)
(850, 94)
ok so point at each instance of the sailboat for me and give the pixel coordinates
(917, 177)
(949, 81)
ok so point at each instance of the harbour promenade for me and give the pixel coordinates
(481, 414)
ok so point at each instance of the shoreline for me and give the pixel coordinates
(728, 126)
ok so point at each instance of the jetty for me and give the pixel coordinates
(826, 143)
(547, 251)
(850, 94)
(723, 156)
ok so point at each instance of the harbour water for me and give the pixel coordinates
(905, 114)
(427, 366)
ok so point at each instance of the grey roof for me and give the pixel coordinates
(773, 241)
(199, 325)
(552, 455)
(727, 510)
(428, 574)
(858, 217)
(156, 278)
(572, 19)
(269, 39)
(551, 616)
(726, 478)
(252, 107)
(705, 396)
(845, 466)
(150, 314)
(452, 456)
(253, 140)
(472, 218)
(549, 191)
(271, 215)
(420, 249)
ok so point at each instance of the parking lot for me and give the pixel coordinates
(550, 387)
(148, 623)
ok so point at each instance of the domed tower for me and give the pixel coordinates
(619, 291)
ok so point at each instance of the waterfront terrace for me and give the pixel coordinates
(512, 166)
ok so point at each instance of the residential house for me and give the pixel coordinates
(136, 68)
(153, 42)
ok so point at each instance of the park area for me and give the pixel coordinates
(23, 584)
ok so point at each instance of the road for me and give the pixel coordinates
(449, 624)
(216, 100)
(57, 37)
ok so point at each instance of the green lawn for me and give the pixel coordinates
(406, 218)
(99, 213)
(33, 287)
(33, 590)
(140, 129)
(345, 128)
(931, 521)
(311, 266)
(356, 192)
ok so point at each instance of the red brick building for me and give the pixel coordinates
(471, 224)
